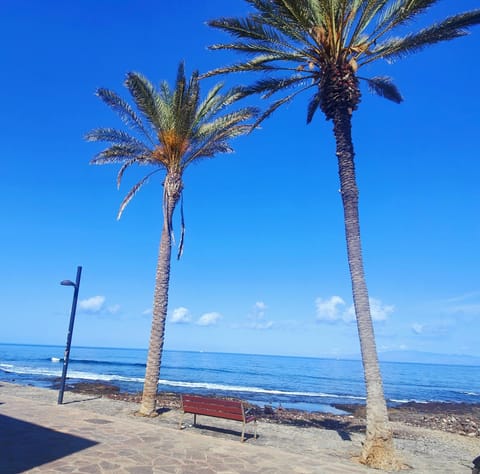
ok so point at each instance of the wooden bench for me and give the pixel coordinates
(219, 408)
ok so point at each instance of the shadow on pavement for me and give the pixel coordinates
(25, 445)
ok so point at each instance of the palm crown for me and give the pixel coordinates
(174, 127)
(322, 43)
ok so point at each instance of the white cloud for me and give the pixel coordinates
(180, 315)
(380, 311)
(466, 305)
(417, 328)
(93, 304)
(329, 309)
(257, 317)
(334, 309)
(262, 325)
(96, 305)
(114, 309)
(437, 329)
(147, 312)
(465, 297)
(209, 319)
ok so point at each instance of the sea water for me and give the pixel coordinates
(303, 383)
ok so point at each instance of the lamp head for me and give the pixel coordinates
(67, 283)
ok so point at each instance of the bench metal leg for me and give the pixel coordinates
(254, 430)
(181, 421)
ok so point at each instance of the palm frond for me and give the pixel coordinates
(365, 11)
(124, 111)
(185, 101)
(211, 104)
(247, 28)
(124, 167)
(400, 12)
(212, 148)
(273, 107)
(384, 87)
(132, 193)
(246, 66)
(119, 154)
(451, 28)
(291, 18)
(182, 230)
(313, 107)
(223, 126)
(145, 97)
(270, 86)
(113, 135)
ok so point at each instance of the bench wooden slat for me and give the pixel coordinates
(213, 412)
(218, 408)
(194, 399)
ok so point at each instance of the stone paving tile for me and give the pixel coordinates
(124, 444)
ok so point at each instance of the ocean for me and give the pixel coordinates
(311, 384)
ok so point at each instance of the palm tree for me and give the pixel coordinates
(321, 45)
(173, 130)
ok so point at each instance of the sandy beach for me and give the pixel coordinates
(288, 441)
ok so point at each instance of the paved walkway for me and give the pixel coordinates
(37, 435)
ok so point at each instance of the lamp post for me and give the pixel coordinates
(66, 356)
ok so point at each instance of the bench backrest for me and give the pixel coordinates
(221, 408)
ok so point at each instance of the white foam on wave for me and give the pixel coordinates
(172, 383)
(407, 401)
(74, 374)
(55, 359)
(237, 388)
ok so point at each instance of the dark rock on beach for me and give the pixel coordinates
(459, 418)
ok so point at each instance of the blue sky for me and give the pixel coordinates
(264, 268)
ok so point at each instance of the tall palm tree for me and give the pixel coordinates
(321, 45)
(174, 129)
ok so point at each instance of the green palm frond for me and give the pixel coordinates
(211, 104)
(113, 135)
(123, 109)
(212, 148)
(118, 154)
(451, 28)
(216, 102)
(364, 13)
(399, 13)
(224, 124)
(248, 28)
(145, 97)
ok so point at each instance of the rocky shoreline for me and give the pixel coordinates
(457, 418)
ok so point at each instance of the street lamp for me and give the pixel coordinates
(66, 356)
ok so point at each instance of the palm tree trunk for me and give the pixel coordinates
(378, 448)
(172, 192)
